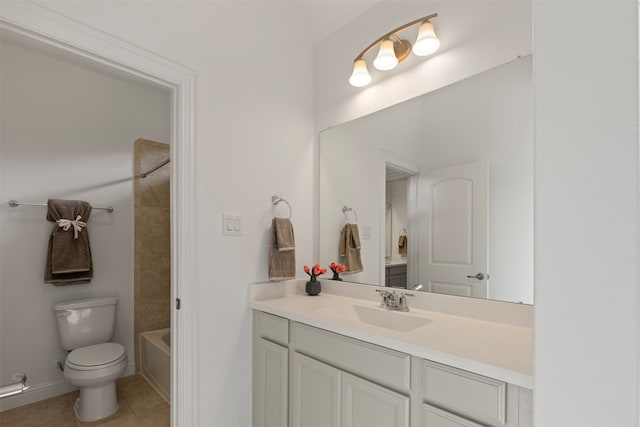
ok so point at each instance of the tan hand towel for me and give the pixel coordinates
(402, 245)
(284, 234)
(69, 252)
(282, 254)
(350, 248)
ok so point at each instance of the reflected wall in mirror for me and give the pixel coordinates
(452, 170)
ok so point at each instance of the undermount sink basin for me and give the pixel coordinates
(377, 316)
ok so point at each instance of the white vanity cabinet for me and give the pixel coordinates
(365, 404)
(270, 370)
(369, 384)
(306, 376)
(453, 397)
(315, 393)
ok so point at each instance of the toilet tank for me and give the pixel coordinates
(85, 322)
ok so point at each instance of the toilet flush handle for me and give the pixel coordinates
(65, 313)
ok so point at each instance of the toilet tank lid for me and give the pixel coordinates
(84, 303)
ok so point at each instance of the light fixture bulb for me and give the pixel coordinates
(427, 42)
(386, 59)
(360, 76)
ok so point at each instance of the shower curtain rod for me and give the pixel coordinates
(150, 171)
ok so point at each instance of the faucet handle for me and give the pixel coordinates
(386, 295)
(402, 301)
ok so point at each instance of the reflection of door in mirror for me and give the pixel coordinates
(453, 218)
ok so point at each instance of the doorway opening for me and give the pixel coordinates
(39, 26)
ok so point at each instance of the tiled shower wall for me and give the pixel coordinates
(152, 281)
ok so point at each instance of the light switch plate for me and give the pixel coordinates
(231, 225)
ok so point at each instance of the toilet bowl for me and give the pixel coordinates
(94, 370)
(85, 328)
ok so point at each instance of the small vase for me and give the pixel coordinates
(313, 287)
(336, 276)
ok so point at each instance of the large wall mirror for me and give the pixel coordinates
(440, 188)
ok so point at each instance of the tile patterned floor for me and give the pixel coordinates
(140, 406)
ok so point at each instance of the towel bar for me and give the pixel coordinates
(277, 199)
(16, 388)
(15, 204)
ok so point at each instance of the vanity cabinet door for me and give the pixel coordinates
(365, 404)
(271, 390)
(315, 393)
(434, 417)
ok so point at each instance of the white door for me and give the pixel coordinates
(315, 393)
(365, 404)
(453, 218)
(271, 387)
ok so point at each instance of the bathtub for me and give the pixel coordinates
(155, 359)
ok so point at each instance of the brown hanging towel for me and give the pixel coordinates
(69, 253)
(402, 244)
(350, 248)
(282, 250)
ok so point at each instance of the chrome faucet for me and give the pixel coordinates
(417, 287)
(392, 301)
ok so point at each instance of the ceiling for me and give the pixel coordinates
(324, 17)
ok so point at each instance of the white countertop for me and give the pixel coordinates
(496, 349)
(395, 262)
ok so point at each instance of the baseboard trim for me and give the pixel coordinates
(46, 390)
(36, 393)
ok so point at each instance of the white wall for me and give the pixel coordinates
(586, 214)
(67, 131)
(254, 139)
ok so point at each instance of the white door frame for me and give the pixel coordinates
(387, 157)
(37, 24)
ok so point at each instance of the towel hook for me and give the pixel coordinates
(346, 209)
(277, 199)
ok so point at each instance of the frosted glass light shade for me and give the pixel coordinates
(360, 76)
(386, 59)
(427, 42)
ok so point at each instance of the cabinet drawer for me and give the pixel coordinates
(382, 365)
(272, 328)
(434, 417)
(398, 281)
(397, 270)
(479, 398)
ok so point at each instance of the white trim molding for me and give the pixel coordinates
(35, 23)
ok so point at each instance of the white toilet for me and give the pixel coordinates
(85, 327)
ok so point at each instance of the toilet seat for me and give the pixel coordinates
(98, 356)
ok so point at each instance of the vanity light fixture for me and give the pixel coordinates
(394, 50)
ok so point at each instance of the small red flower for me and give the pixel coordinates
(314, 271)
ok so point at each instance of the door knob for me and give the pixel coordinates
(478, 276)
